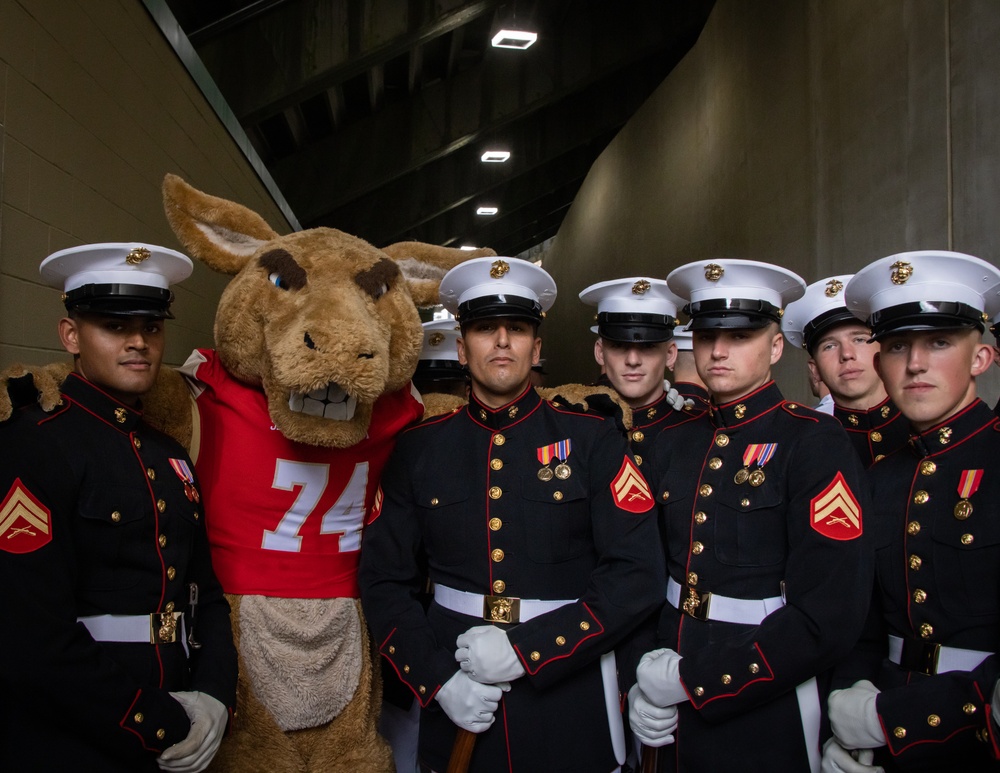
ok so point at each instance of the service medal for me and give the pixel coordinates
(963, 509)
(741, 476)
(756, 477)
(968, 484)
(545, 474)
(563, 471)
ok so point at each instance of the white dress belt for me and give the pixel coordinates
(131, 629)
(946, 659)
(727, 609)
(472, 603)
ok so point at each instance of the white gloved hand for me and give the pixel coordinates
(485, 654)
(854, 718)
(674, 398)
(659, 677)
(208, 724)
(653, 725)
(469, 704)
(995, 703)
(836, 759)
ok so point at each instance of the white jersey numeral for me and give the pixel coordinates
(345, 518)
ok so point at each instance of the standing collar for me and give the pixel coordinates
(497, 419)
(652, 413)
(872, 418)
(748, 407)
(99, 403)
(954, 430)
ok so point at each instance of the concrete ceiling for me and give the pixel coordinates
(372, 115)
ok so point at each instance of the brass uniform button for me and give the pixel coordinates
(151, 473)
(982, 734)
(697, 548)
(933, 720)
(916, 562)
(745, 502)
(665, 496)
(536, 656)
(406, 669)
(919, 596)
(422, 690)
(638, 436)
(692, 578)
(793, 406)
(161, 734)
(171, 573)
(638, 460)
(138, 717)
(926, 630)
(584, 625)
(722, 441)
(967, 539)
(969, 708)
(496, 464)
(197, 515)
(899, 732)
(392, 650)
(726, 679)
(699, 691)
(921, 497)
(495, 524)
(499, 440)
(927, 467)
(557, 495)
(116, 516)
(879, 457)
(161, 505)
(496, 555)
(162, 539)
(754, 668)
(434, 502)
(495, 492)
(136, 442)
(560, 640)
(705, 490)
(700, 517)
(876, 436)
(499, 586)
(715, 463)
(169, 607)
(913, 528)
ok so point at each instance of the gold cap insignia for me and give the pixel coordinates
(136, 256)
(833, 287)
(435, 339)
(499, 268)
(714, 272)
(641, 287)
(901, 271)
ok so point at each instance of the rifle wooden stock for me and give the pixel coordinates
(650, 758)
(461, 751)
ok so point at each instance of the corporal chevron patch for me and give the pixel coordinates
(25, 523)
(630, 490)
(835, 512)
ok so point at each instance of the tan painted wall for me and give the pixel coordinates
(94, 109)
(818, 135)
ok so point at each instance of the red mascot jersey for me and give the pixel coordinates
(284, 518)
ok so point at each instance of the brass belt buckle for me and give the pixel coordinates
(501, 609)
(163, 627)
(696, 604)
(920, 656)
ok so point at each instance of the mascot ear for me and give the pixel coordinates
(220, 233)
(423, 266)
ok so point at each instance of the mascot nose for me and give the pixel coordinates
(307, 339)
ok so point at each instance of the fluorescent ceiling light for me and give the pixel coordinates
(495, 156)
(514, 39)
(487, 211)
(467, 247)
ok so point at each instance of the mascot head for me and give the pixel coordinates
(322, 321)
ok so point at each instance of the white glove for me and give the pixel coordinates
(674, 398)
(659, 677)
(485, 654)
(853, 716)
(836, 759)
(468, 704)
(652, 725)
(208, 723)
(995, 703)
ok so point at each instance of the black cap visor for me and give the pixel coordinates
(493, 306)
(635, 328)
(826, 321)
(925, 315)
(120, 300)
(732, 314)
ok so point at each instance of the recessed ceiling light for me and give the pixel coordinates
(514, 39)
(487, 211)
(468, 247)
(495, 156)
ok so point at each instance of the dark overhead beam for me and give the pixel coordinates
(232, 20)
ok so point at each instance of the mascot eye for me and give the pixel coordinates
(275, 278)
(381, 290)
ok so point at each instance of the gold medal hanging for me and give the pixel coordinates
(756, 477)
(963, 509)
(741, 476)
(563, 471)
(545, 474)
(968, 484)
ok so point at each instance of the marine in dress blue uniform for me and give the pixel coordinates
(531, 518)
(102, 554)
(762, 505)
(820, 321)
(925, 705)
